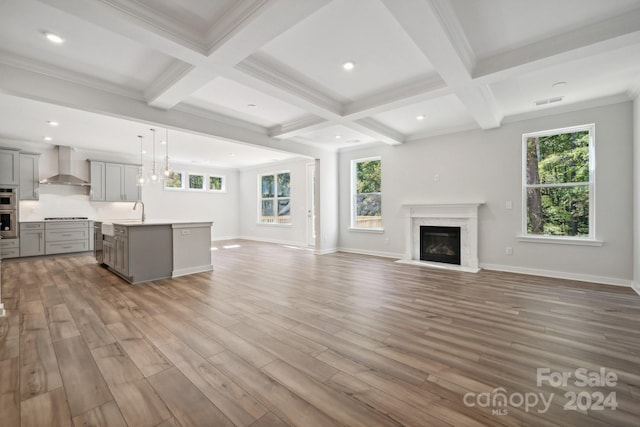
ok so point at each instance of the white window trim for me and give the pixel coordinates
(204, 182)
(275, 199)
(224, 183)
(352, 194)
(589, 240)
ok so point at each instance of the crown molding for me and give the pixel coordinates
(219, 118)
(234, 18)
(296, 127)
(452, 27)
(38, 67)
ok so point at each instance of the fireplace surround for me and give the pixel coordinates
(462, 215)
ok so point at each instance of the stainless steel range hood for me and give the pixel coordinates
(65, 174)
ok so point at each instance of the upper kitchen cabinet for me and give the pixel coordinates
(29, 176)
(9, 167)
(97, 172)
(121, 184)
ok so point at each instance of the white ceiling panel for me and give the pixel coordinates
(88, 50)
(496, 26)
(361, 31)
(438, 114)
(27, 120)
(337, 136)
(595, 77)
(236, 100)
(191, 15)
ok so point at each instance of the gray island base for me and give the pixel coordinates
(156, 249)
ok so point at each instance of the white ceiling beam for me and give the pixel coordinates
(298, 127)
(16, 81)
(249, 26)
(434, 27)
(604, 36)
(375, 129)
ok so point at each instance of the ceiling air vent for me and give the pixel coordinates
(548, 101)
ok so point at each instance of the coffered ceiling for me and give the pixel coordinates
(269, 73)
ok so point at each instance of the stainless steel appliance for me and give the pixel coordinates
(8, 212)
(8, 198)
(97, 242)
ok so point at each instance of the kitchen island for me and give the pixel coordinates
(140, 251)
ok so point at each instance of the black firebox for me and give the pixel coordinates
(440, 244)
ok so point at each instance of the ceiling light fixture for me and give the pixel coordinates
(140, 176)
(349, 65)
(53, 38)
(154, 175)
(53, 123)
(251, 105)
(167, 170)
(420, 117)
(338, 136)
(48, 138)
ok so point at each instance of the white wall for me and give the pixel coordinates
(485, 166)
(296, 232)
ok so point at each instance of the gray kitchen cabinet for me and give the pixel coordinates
(108, 251)
(9, 248)
(9, 167)
(29, 176)
(66, 236)
(32, 241)
(121, 250)
(120, 183)
(97, 173)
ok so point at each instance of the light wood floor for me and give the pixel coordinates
(278, 336)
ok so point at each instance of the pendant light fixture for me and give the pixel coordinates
(140, 176)
(154, 175)
(167, 171)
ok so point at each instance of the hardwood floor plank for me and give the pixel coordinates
(190, 335)
(137, 400)
(340, 407)
(39, 371)
(9, 392)
(83, 383)
(9, 335)
(147, 358)
(107, 415)
(61, 324)
(48, 409)
(230, 398)
(284, 403)
(187, 404)
(269, 420)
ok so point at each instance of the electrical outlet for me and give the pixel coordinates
(436, 177)
(508, 204)
(509, 250)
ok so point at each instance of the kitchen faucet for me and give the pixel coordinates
(134, 208)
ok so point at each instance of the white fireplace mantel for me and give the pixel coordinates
(463, 215)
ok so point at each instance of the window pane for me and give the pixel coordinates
(267, 208)
(560, 211)
(369, 177)
(196, 182)
(368, 210)
(562, 158)
(215, 183)
(174, 180)
(284, 180)
(267, 186)
(284, 207)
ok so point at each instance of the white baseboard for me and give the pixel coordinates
(559, 274)
(217, 239)
(372, 253)
(636, 287)
(276, 241)
(191, 270)
(326, 251)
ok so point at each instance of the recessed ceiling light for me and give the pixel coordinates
(144, 151)
(47, 138)
(558, 84)
(53, 38)
(349, 65)
(53, 123)
(420, 117)
(232, 154)
(251, 105)
(338, 136)
(163, 142)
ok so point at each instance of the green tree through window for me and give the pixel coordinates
(367, 194)
(558, 182)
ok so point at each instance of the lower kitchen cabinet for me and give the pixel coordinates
(32, 238)
(66, 236)
(9, 248)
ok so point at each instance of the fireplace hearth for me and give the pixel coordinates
(440, 244)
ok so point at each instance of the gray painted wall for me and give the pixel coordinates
(485, 166)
